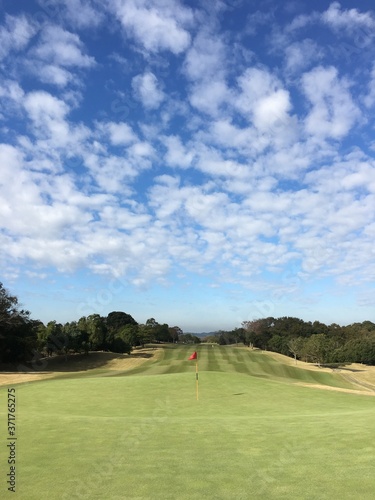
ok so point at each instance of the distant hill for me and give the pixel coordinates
(202, 334)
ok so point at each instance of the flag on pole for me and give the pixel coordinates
(195, 356)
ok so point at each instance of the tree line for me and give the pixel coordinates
(22, 337)
(313, 342)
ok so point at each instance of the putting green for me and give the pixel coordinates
(253, 434)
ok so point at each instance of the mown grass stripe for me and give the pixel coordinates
(242, 430)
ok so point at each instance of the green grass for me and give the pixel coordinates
(253, 434)
(237, 360)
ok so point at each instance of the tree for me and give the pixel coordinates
(114, 323)
(258, 331)
(226, 338)
(315, 348)
(84, 335)
(120, 344)
(188, 338)
(55, 340)
(162, 333)
(319, 328)
(97, 332)
(145, 334)
(117, 320)
(40, 330)
(10, 314)
(174, 332)
(18, 337)
(77, 338)
(291, 327)
(210, 339)
(296, 346)
(155, 332)
(359, 350)
(129, 333)
(238, 335)
(278, 343)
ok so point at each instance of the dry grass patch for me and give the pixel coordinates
(11, 378)
(300, 364)
(125, 362)
(361, 375)
(362, 391)
(80, 363)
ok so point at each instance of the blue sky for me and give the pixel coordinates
(202, 163)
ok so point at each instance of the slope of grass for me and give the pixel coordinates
(237, 360)
(146, 437)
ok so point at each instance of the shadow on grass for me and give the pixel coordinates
(71, 362)
(340, 366)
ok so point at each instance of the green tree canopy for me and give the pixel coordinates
(18, 333)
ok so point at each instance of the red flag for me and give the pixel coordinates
(194, 355)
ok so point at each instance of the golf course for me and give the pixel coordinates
(121, 427)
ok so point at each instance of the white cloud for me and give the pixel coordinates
(112, 174)
(266, 104)
(206, 58)
(12, 90)
(369, 97)
(141, 149)
(15, 34)
(225, 133)
(81, 13)
(23, 201)
(363, 178)
(49, 73)
(333, 111)
(157, 26)
(56, 55)
(11, 98)
(209, 96)
(261, 183)
(62, 48)
(177, 154)
(211, 161)
(301, 21)
(348, 19)
(300, 55)
(147, 90)
(205, 65)
(48, 220)
(123, 218)
(48, 114)
(355, 173)
(272, 109)
(53, 144)
(254, 84)
(257, 19)
(120, 134)
(43, 106)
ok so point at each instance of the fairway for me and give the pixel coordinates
(140, 434)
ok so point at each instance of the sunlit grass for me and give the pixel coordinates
(146, 437)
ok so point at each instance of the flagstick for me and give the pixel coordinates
(196, 379)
